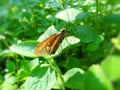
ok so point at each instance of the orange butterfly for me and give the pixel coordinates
(51, 44)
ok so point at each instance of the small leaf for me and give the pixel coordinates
(54, 4)
(41, 78)
(11, 66)
(33, 63)
(22, 74)
(95, 79)
(111, 67)
(74, 78)
(68, 15)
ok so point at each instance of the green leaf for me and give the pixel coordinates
(6, 52)
(33, 63)
(10, 66)
(68, 15)
(85, 33)
(41, 78)
(54, 4)
(22, 74)
(24, 48)
(74, 78)
(9, 83)
(8, 86)
(111, 67)
(95, 79)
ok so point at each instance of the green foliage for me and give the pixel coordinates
(24, 48)
(74, 78)
(87, 59)
(96, 80)
(111, 67)
(85, 34)
(42, 77)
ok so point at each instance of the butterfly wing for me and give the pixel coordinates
(56, 43)
(50, 45)
(45, 46)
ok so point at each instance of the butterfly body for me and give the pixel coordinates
(50, 45)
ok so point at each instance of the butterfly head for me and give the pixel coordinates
(62, 31)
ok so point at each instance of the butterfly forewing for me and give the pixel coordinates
(44, 47)
(50, 45)
(56, 43)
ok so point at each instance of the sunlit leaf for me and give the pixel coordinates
(25, 48)
(95, 79)
(68, 15)
(41, 78)
(111, 67)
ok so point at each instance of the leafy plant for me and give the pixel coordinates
(87, 59)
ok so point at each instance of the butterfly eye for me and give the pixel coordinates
(63, 30)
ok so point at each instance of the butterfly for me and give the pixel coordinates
(51, 44)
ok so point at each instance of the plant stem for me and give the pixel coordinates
(51, 61)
